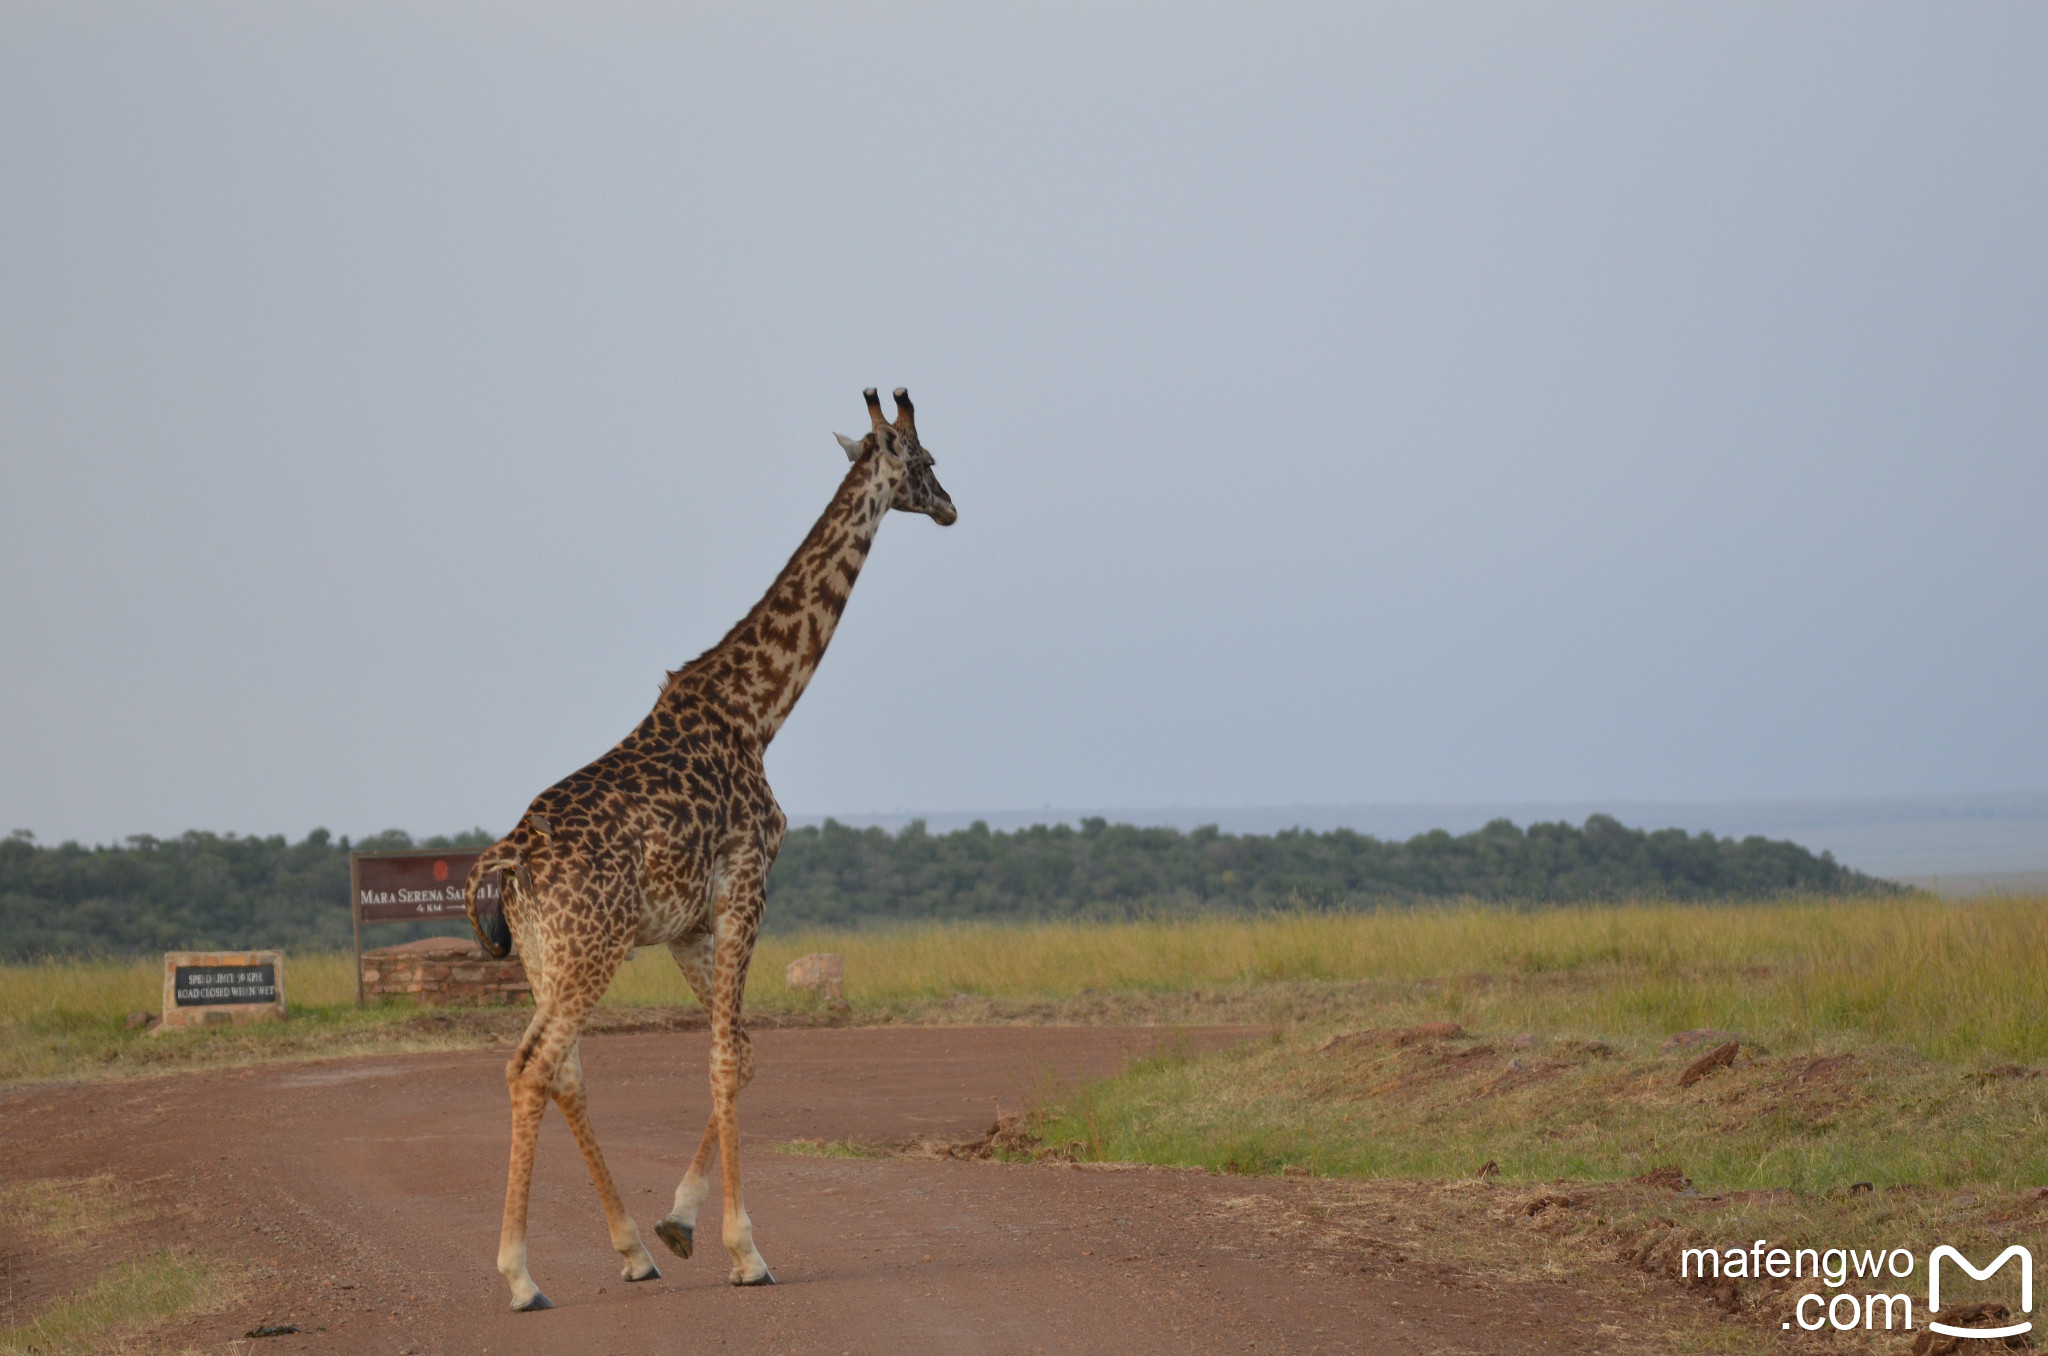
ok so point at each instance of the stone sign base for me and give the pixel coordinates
(447, 971)
(221, 988)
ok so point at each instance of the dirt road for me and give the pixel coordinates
(368, 1193)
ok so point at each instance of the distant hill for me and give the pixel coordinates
(204, 890)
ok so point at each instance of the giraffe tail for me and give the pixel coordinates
(495, 936)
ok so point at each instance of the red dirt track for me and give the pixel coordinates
(388, 1174)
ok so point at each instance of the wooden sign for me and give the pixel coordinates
(401, 887)
(221, 988)
(418, 885)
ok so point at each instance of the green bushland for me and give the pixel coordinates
(206, 890)
(835, 876)
(199, 891)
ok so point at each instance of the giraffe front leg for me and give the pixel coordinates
(732, 1068)
(679, 1229)
(693, 956)
(716, 965)
(748, 1268)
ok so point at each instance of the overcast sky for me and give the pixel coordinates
(1423, 403)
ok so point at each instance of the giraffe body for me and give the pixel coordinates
(668, 839)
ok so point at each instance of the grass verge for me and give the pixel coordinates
(1625, 1241)
(64, 1214)
(1897, 1043)
(1417, 1102)
(129, 1297)
(827, 1148)
(1884, 1092)
(1947, 982)
(53, 1228)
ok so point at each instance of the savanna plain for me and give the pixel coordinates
(1568, 1094)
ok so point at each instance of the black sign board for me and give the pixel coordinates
(197, 986)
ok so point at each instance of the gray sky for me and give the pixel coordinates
(1430, 403)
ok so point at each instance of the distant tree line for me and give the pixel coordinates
(198, 891)
(838, 875)
(204, 890)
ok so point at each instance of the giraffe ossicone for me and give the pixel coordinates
(667, 840)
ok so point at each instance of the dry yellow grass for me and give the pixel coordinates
(94, 990)
(1945, 1006)
(85, 1216)
(1950, 981)
(130, 1297)
(68, 1018)
(64, 1213)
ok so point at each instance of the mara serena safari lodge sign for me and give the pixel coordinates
(412, 887)
(405, 887)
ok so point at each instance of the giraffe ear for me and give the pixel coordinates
(852, 446)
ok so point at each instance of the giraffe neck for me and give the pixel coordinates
(766, 661)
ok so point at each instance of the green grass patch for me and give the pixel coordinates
(64, 1214)
(80, 1219)
(70, 1044)
(1798, 971)
(67, 1018)
(1629, 1241)
(827, 1148)
(1359, 1104)
(1497, 1109)
(139, 1294)
(81, 990)
(1949, 983)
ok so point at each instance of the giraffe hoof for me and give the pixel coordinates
(765, 1278)
(677, 1234)
(539, 1301)
(653, 1273)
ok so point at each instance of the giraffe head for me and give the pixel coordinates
(917, 489)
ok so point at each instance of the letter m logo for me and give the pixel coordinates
(1934, 1289)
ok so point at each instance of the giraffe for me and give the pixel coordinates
(668, 839)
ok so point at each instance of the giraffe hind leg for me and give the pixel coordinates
(528, 1075)
(546, 1066)
(568, 1092)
